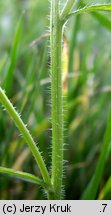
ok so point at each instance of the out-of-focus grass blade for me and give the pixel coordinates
(13, 58)
(73, 43)
(91, 8)
(103, 20)
(2, 63)
(106, 189)
(91, 190)
(21, 175)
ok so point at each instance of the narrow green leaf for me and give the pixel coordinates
(91, 190)
(102, 19)
(73, 43)
(22, 175)
(26, 135)
(13, 58)
(91, 8)
(106, 189)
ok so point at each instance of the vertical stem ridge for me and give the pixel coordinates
(57, 102)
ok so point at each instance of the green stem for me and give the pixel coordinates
(67, 9)
(57, 101)
(26, 135)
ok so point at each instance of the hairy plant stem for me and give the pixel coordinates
(57, 101)
(26, 135)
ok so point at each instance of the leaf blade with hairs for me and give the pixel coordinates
(102, 19)
(21, 175)
(91, 8)
(26, 135)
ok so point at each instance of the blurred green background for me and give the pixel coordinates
(25, 75)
